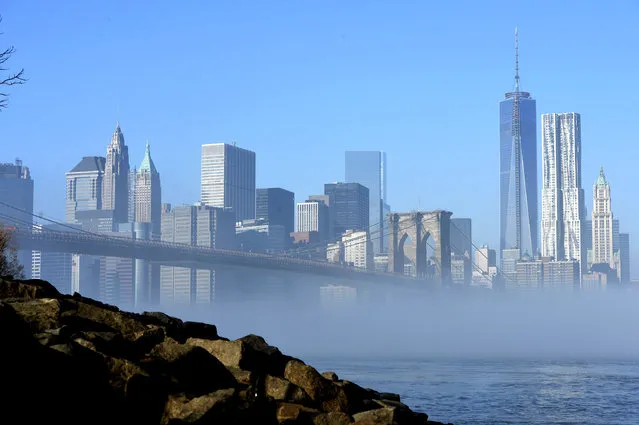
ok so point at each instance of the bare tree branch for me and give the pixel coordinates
(12, 79)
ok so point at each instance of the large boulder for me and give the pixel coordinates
(80, 314)
(290, 413)
(309, 379)
(193, 370)
(208, 408)
(282, 390)
(27, 289)
(41, 314)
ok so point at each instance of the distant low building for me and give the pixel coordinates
(335, 252)
(461, 269)
(261, 236)
(337, 295)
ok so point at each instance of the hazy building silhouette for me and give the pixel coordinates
(16, 193)
(369, 169)
(133, 172)
(54, 267)
(84, 186)
(197, 225)
(461, 237)
(228, 179)
(485, 258)
(350, 205)
(148, 194)
(261, 236)
(563, 206)
(518, 169)
(115, 187)
(624, 248)
(277, 206)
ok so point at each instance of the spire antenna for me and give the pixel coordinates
(516, 60)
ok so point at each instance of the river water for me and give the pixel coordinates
(496, 392)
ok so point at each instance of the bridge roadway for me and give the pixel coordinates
(175, 254)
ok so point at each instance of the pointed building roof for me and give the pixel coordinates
(89, 163)
(118, 137)
(147, 163)
(601, 180)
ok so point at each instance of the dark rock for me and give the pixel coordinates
(193, 370)
(289, 413)
(282, 390)
(199, 330)
(389, 396)
(383, 416)
(27, 289)
(91, 316)
(331, 376)
(41, 314)
(172, 326)
(304, 376)
(202, 409)
(332, 418)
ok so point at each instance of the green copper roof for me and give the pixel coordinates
(601, 180)
(147, 162)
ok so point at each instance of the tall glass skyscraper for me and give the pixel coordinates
(368, 168)
(518, 169)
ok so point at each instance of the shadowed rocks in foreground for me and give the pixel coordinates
(73, 360)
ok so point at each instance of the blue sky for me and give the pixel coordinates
(301, 82)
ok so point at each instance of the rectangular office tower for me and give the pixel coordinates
(518, 169)
(198, 225)
(562, 198)
(350, 207)
(228, 179)
(277, 206)
(16, 195)
(369, 169)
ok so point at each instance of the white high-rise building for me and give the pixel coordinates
(602, 222)
(313, 216)
(358, 249)
(562, 198)
(228, 179)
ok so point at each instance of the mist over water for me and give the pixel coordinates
(428, 325)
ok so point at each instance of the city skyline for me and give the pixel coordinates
(456, 194)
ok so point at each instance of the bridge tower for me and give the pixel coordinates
(409, 233)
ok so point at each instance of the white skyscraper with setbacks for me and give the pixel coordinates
(562, 198)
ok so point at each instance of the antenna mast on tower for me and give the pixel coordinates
(516, 60)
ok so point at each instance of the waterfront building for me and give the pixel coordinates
(277, 206)
(350, 205)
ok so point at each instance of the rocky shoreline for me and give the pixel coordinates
(72, 360)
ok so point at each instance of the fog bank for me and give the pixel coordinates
(578, 326)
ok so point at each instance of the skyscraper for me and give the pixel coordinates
(602, 247)
(624, 248)
(518, 168)
(350, 205)
(115, 188)
(277, 206)
(369, 169)
(228, 179)
(562, 203)
(16, 195)
(313, 216)
(461, 237)
(84, 186)
(198, 225)
(148, 194)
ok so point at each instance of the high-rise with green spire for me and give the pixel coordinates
(148, 194)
